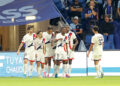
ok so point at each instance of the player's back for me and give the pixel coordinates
(98, 41)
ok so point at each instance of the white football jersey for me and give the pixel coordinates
(48, 38)
(71, 37)
(28, 40)
(39, 43)
(98, 41)
(61, 42)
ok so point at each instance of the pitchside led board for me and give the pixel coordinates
(11, 65)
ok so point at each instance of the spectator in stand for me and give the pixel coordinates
(91, 15)
(76, 9)
(77, 29)
(88, 3)
(107, 28)
(108, 9)
(118, 10)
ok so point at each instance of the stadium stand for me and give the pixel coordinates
(103, 8)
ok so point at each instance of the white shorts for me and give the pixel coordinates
(60, 54)
(40, 56)
(49, 52)
(70, 54)
(97, 57)
(30, 54)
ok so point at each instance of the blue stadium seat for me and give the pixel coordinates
(88, 41)
(111, 41)
(106, 45)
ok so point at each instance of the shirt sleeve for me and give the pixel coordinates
(93, 40)
(103, 38)
(57, 36)
(24, 39)
(74, 36)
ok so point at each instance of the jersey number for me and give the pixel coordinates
(100, 41)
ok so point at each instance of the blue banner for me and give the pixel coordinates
(19, 12)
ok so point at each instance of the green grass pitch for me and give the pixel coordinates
(74, 81)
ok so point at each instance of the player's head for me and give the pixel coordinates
(56, 32)
(95, 29)
(50, 30)
(30, 28)
(63, 30)
(39, 34)
(67, 28)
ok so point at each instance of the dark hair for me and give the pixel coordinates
(50, 28)
(96, 28)
(56, 31)
(39, 32)
(29, 27)
(107, 16)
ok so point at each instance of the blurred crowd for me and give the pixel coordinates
(82, 15)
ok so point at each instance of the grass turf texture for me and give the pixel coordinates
(74, 81)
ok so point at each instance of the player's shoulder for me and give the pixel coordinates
(100, 35)
(26, 35)
(44, 32)
(59, 34)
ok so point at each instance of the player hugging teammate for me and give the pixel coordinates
(43, 47)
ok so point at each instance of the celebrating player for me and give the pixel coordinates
(49, 51)
(29, 54)
(61, 51)
(40, 48)
(71, 47)
(54, 48)
(97, 43)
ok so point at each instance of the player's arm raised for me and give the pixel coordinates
(90, 49)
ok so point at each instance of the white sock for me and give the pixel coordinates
(64, 69)
(69, 69)
(25, 68)
(97, 69)
(100, 69)
(41, 71)
(45, 68)
(49, 67)
(38, 71)
(57, 69)
(31, 70)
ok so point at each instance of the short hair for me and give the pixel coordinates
(30, 27)
(56, 31)
(50, 28)
(107, 15)
(39, 32)
(96, 28)
(62, 28)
